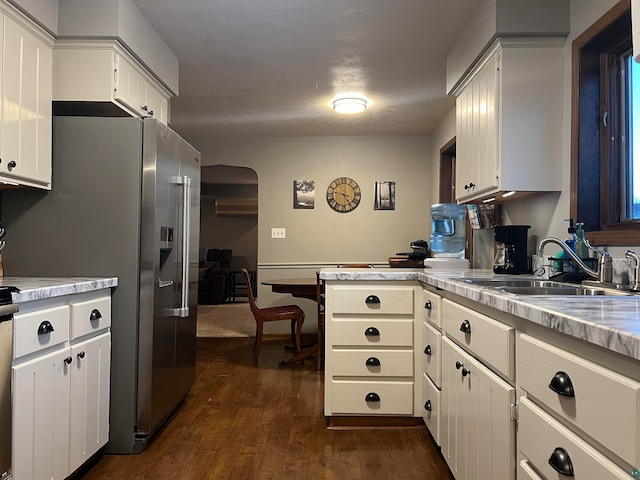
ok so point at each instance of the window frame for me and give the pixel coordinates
(595, 166)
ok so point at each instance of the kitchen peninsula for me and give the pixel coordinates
(475, 362)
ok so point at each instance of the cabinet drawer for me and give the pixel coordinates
(52, 323)
(372, 300)
(373, 363)
(605, 404)
(490, 340)
(372, 333)
(431, 407)
(91, 316)
(432, 308)
(395, 398)
(431, 353)
(539, 435)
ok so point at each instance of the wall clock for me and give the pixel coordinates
(343, 194)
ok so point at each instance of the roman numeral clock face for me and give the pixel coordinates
(343, 194)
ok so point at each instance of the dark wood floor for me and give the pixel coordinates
(246, 422)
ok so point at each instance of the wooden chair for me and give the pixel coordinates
(271, 314)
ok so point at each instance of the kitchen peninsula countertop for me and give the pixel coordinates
(612, 322)
(39, 288)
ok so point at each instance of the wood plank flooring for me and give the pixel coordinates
(242, 421)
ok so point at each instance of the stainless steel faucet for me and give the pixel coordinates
(634, 284)
(604, 274)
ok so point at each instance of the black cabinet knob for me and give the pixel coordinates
(372, 300)
(465, 372)
(561, 384)
(95, 314)
(427, 406)
(12, 164)
(372, 362)
(459, 365)
(45, 327)
(471, 185)
(465, 327)
(372, 332)
(372, 397)
(427, 350)
(81, 355)
(561, 462)
(68, 360)
(428, 305)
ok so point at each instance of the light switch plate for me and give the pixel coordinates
(278, 233)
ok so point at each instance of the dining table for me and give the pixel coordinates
(303, 287)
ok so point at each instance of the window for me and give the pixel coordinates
(605, 162)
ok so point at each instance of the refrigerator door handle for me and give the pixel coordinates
(183, 311)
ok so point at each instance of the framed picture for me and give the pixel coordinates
(384, 196)
(304, 193)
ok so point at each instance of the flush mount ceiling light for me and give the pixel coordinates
(349, 105)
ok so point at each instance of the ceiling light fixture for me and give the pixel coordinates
(349, 105)
(508, 194)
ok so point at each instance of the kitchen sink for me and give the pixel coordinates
(543, 287)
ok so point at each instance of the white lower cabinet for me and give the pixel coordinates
(477, 432)
(60, 384)
(41, 392)
(370, 362)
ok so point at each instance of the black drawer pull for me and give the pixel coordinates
(561, 462)
(45, 327)
(427, 350)
(427, 406)
(465, 327)
(465, 372)
(372, 362)
(68, 360)
(372, 300)
(372, 397)
(428, 305)
(81, 355)
(459, 365)
(372, 332)
(95, 314)
(561, 384)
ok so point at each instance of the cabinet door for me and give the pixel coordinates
(41, 417)
(26, 107)
(477, 109)
(156, 103)
(89, 422)
(130, 86)
(477, 432)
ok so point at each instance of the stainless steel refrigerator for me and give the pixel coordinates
(125, 202)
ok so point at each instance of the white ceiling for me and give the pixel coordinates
(271, 67)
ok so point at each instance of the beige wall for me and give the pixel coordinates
(321, 236)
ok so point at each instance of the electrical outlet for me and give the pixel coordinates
(278, 233)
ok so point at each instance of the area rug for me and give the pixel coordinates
(226, 320)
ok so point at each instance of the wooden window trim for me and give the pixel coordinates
(595, 175)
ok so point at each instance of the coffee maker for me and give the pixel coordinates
(511, 249)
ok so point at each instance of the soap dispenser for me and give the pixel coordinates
(571, 239)
(580, 244)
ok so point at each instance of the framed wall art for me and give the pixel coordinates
(384, 196)
(304, 193)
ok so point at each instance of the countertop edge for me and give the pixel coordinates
(39, 288)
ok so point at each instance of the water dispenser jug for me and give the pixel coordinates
(448, 230)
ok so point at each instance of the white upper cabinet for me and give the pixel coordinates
(95, 73)
(509, 120)
(25, 99)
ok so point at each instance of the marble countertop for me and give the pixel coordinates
(38, 288)
(612, 322)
